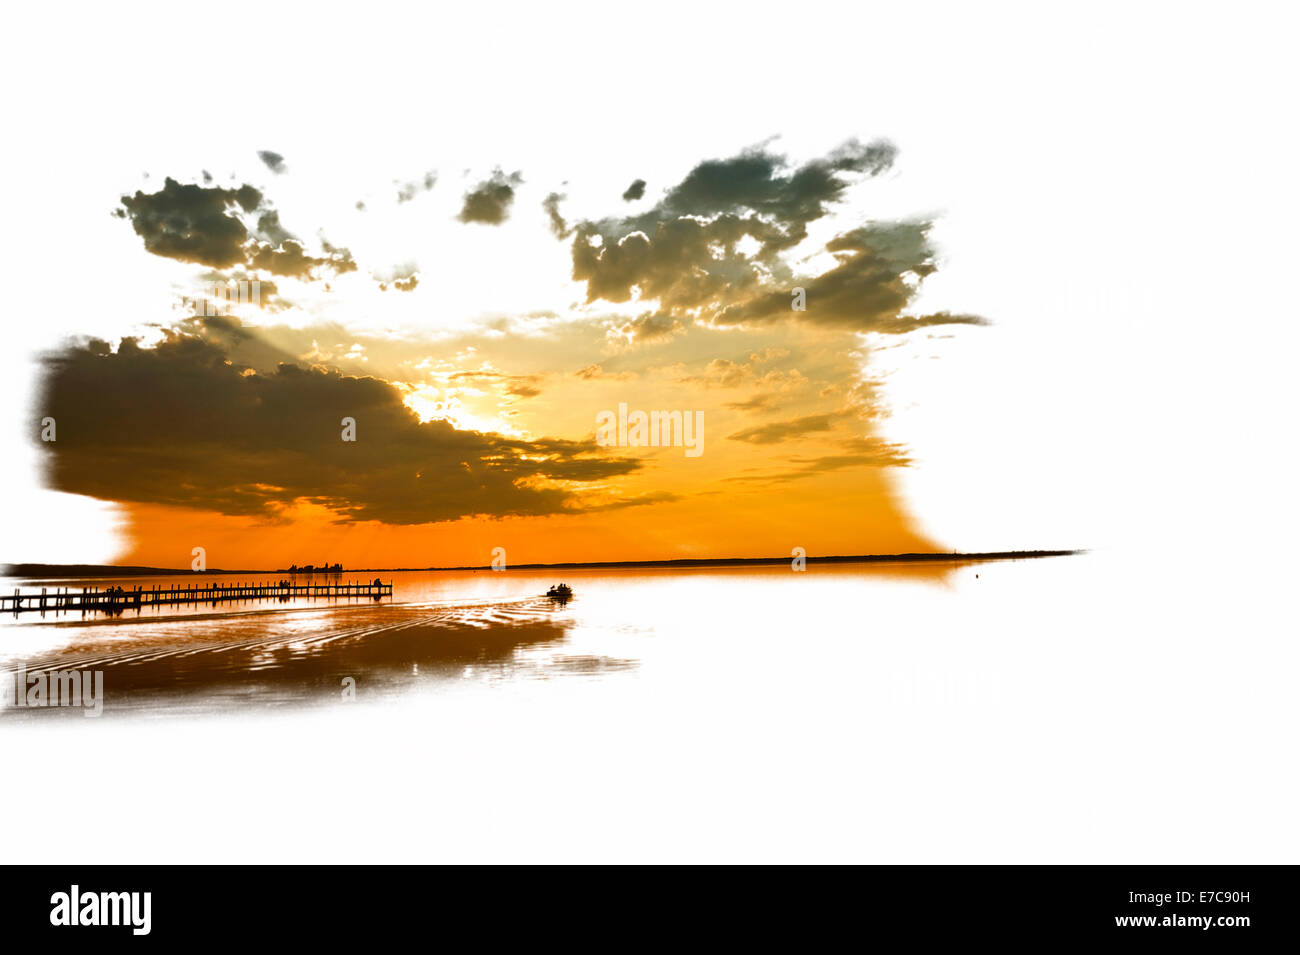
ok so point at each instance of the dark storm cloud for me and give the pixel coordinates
(686, 250)
(203, 224)
(274, 161)
(489, 202)
(713, 249)
(291, 259)
(754, 181)
(634, 191)
(268, 226)
(182, 424)
(193, 223)
(866, 291)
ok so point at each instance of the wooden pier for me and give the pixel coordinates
(117, 599)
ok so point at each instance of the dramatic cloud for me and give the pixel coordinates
(867, 290)
(291, 259)
(268, 226)
(246, 421)
(714, 250)
(489, 202)
(204, 225)
(193, 223)
(274, 161)
(191, 428)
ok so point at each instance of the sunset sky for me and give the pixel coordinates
(1049, 257)
(474, 324)
(428, 231)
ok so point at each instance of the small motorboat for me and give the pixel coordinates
(560, 592)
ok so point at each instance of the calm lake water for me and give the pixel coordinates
(439, 628)
(1090, 708)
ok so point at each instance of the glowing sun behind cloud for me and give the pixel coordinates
(481, 433)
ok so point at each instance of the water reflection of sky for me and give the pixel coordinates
(467, 628)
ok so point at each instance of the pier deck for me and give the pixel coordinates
(113, 599)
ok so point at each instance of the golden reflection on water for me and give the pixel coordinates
(484, 626)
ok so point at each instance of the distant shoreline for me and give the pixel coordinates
(110, 570)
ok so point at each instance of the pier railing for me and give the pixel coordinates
(114, 599)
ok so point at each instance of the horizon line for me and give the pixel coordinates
(88, 570)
